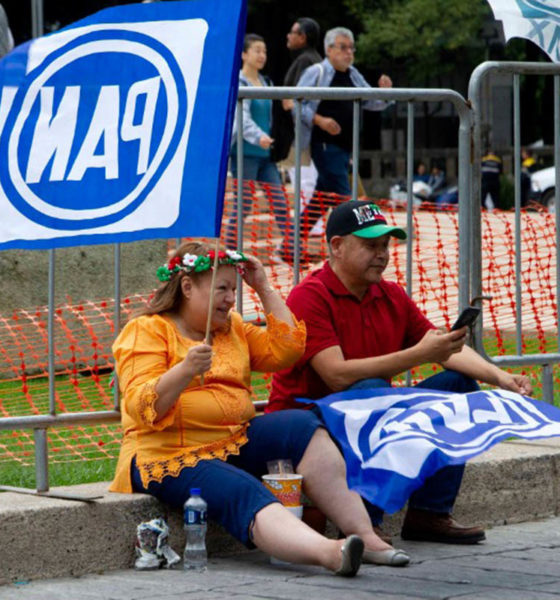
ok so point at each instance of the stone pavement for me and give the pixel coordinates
(516, 562)
(516, 481)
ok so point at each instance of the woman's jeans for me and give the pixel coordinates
(440, 490)
(263, 171)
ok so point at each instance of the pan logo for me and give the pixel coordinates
(540, 9)
(92, 129)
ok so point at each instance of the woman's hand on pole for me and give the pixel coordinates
(198, 360)
(171, 384)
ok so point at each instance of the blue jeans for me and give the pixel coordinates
(332, 164)
(263, 171)
(232, 487)
(440, 490)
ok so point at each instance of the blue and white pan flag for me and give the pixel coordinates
(535, 20)
(393, 439)
(118, 127)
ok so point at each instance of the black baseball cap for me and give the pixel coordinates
(362, 219)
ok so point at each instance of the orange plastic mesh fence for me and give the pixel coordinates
(84, 331)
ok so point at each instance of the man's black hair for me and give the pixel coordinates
(311, 29)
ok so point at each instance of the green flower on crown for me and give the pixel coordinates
(201, 264)
(163, 273)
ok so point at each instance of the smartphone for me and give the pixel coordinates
(466, 318)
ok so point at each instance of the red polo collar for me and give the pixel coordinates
(330, 279)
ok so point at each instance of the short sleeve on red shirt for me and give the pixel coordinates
(314, 305)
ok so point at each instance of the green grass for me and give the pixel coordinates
(70, 473)
(95, 459)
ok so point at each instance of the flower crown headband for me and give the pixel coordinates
(197, 263)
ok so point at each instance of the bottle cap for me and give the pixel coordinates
(195, 491)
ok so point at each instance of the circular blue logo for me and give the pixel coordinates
(92, 129)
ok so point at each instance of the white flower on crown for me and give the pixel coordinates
(189, 260)
(234, 255)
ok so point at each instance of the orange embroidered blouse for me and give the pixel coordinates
(208, 421)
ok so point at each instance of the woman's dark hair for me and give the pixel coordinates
(311, 29)
(251, 38)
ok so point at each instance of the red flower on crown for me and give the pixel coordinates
(221, 255)
(174, 262)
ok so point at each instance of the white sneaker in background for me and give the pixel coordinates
(318, 230)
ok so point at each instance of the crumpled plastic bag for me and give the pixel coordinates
(152, 546)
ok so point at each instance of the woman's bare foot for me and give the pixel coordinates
(374, 542)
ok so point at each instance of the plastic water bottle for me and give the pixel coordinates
(195, 557)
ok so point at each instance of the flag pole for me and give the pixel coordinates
(211, 301)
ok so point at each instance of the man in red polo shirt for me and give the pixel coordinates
(361, 332)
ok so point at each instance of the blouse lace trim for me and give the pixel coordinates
(285, 332)
(158, 469)
(147, 409)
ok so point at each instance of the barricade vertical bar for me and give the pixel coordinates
(409, 204)
(117, 315)
(547, 384)
(41, 460)
(355, 146)
(240, 188)
(37, 28)
(41, 450)
(557, 180)
(465, 208)
(50, 332)
(409, 198)
(297, 191)
(517, 153)
(474, 237)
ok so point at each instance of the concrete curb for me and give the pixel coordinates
(42, 537)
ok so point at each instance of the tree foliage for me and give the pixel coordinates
(425, 36)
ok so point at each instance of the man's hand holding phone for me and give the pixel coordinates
(466, 318)
(437, 346)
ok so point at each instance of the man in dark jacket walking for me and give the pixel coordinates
(302, 42)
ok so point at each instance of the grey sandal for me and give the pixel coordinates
(391, 557)
(352, 551)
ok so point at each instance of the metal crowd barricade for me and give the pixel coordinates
(40, 423)
(478, 78)
(357, 95)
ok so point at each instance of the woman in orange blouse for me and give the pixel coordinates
(189, 421)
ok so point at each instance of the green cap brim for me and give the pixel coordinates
(376, 231)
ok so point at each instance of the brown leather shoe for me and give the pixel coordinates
(382, 535)
(426, 526)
